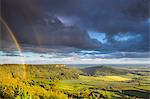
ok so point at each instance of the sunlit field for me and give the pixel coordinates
(105, 78)
(62, 82)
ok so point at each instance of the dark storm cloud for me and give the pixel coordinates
(111, 17)
(31, 25)
(33, 19)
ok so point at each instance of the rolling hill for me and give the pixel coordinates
(104, 70)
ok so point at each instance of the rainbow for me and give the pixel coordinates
(17, 46)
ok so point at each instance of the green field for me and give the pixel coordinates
(63, 82)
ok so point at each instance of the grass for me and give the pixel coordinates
(39, 82)
(122, 86)
(59, 82)
(105, 78)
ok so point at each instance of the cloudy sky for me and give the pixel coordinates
(75, 31)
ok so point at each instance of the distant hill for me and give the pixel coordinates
(104, 70)
(53, 72)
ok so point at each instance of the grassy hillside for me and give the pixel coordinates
(61, 82)
(104, 70)
(53, 72)
(40, 81)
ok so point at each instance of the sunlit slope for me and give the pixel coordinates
(40, 81)
(53, 72)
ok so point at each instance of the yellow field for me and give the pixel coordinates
(105, 78)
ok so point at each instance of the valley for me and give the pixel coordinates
(60, 81)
